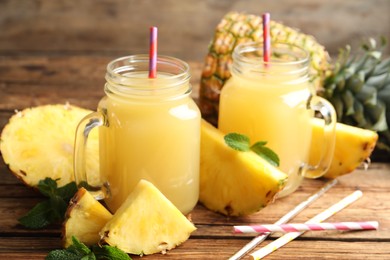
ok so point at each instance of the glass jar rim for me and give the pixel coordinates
(278, 49)
(115, 71)
(128, 75)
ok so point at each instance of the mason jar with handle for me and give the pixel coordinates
(149, 128)
(275, 102)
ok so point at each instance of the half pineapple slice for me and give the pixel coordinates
(84, 219)
(353, 146)
(38, 143)
(147, 223)
(232, 182)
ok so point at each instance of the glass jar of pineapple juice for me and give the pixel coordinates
(275, 102)
(149, 129)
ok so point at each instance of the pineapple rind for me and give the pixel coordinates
(234, 183)
(147, 223)
(38, 143)
(85, 217)
(353, 146)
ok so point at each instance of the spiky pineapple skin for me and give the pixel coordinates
(38, 142)
(84, 218)
(236, 28)
(147, 223)
(232, 182)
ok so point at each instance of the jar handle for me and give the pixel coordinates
(83, 130)
(325, 108)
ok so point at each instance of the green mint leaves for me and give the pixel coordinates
(78, 251)
(241, 143)
(51, 210)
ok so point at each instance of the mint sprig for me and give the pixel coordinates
(241, 143)
(53, 209)
(79, 250)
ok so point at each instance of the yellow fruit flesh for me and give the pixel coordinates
(353, 146)
(38, 143)
(147, 223)
(85, 217)
(232, 182)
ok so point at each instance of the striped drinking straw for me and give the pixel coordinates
(274, 245)
(266, 38)
(296, 227)
(153, 53)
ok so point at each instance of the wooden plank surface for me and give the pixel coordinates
(186, 27)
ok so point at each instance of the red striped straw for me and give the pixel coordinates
(153, 53)
(296, 227)
(266, 38)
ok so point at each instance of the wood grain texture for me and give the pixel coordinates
(185, 27)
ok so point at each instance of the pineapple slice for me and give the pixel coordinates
(147, 223)
(232, 182)
(38, 143)
(84, 219)
(353, 146)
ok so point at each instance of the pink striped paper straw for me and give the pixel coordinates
(153, 53)
(295, 227)
(289, 215)
(274, 245)
(266, 38)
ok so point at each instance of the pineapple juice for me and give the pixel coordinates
(153, 140)
(148, 129)
(274, 102)
(270, 110)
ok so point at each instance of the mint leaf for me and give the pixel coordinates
(241, 143)
(109, 252)
(47, 187)
(237, 141)
(79, 247)
(62, 255)
(266, 153)
(79, 251)
(68, 191)
(51, 210)
(37, 217)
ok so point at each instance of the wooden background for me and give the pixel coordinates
(120, 27)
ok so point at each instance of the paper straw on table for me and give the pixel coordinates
(271, 247)
(296, 227)
(257, 240)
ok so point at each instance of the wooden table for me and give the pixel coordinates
(37, 79)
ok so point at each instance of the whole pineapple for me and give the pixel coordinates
(236, 28)
(358, 86)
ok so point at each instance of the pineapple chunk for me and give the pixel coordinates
(353, 146)
(84, 219)
(38, 143)
(232, 182)
(147, 223)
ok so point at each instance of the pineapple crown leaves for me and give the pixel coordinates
(359, 87)
(53, 209)
(78, 251)
(241, 143)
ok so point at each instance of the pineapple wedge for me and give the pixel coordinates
(147, 223)
(234, 183)
(38, 143)
(353, 146)
(84, 219)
